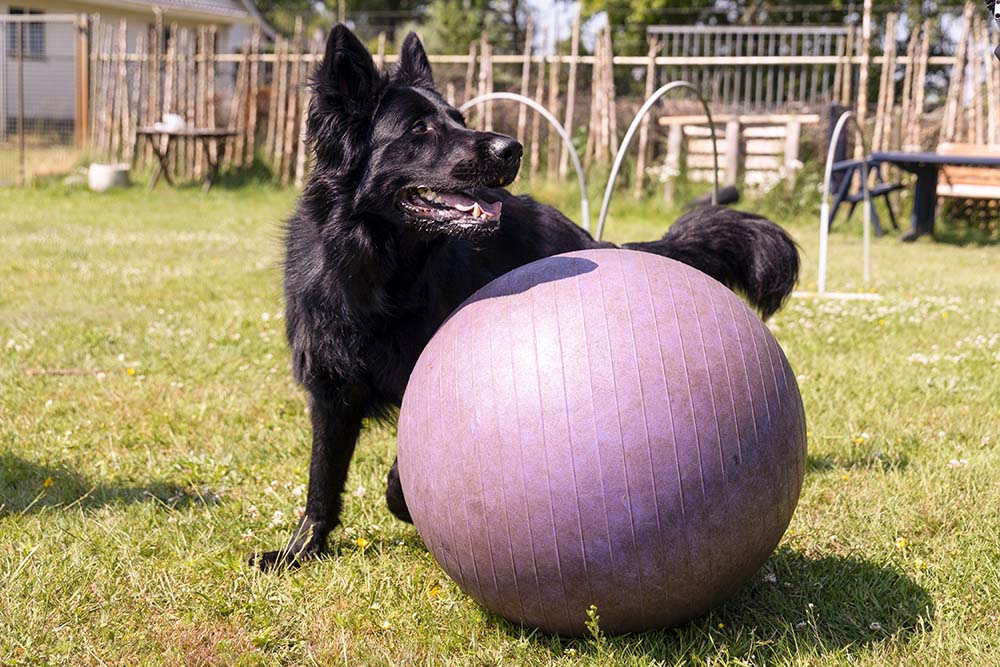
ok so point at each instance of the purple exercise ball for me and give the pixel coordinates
(603, 427)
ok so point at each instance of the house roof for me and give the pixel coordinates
(236, 10)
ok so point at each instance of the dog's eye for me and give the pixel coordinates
(420, 127)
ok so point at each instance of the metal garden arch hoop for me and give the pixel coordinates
(620, 157)
(547, 115)
(824, 215)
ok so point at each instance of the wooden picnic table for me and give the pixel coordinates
(162, 150)
(926, 166)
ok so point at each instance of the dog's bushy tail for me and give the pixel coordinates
(745, 252)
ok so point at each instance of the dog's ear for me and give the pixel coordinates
(414, 68)
(346, 88)
(347, 73)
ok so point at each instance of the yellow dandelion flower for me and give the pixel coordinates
(844, 477)
(362, 542)
(881, 323)
(901, 543)
(859, 441)
(722, 625)
(919, 565)
(48, 482)
(433, 593)
(944, 316)
(130, 371)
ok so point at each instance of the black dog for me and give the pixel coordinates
(402, 219)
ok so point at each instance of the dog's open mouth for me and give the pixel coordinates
(451, 208)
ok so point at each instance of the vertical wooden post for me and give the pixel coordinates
(470, 74)
(168, 81)
(956, 84)
(887, 82)
(251, 142)
(672, 163)
(237, 114)
(281, 97)
(640, 169)
(193, 145)
(522, 111)
(304, 100)
(82, 110)
(95, 81)
(552, 137)
(485, 67)
(574, 50)
(733, 131)
(210, 62)
(866, 54)
(977, 131)
(201, 83)
(272, 107)
(793, 136)
(536, 119)
(908, 77)
(155, 103)
(379, 52)
(609, 56)
(129, 136)
(293, 99)
(920, 85)
(22, 164)
(119, 113)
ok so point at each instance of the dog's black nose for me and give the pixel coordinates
(505, 150)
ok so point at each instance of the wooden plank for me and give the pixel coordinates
(768, 131)
(765, 146)
(704, 146)
(768, 162)
(744, 119)
(697, 131)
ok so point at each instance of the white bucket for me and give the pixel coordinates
(102, 177)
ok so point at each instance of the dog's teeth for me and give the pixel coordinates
(476, 210)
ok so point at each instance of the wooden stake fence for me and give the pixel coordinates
(262, 96)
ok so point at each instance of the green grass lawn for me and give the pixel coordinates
(133, 489)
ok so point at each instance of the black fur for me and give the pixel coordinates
(367, 284)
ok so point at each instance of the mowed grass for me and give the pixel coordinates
(133, 488)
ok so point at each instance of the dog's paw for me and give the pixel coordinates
(283, 559)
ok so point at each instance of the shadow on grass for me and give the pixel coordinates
(797, 605)
(28, 486)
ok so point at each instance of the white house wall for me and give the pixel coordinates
(49, 82)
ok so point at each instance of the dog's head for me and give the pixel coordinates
(395, 139)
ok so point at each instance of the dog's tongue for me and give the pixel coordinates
(465, 203)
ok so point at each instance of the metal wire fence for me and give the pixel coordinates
(39, 102)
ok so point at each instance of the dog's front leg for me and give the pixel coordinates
(336, 422)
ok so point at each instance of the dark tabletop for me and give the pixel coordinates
(917, 159)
